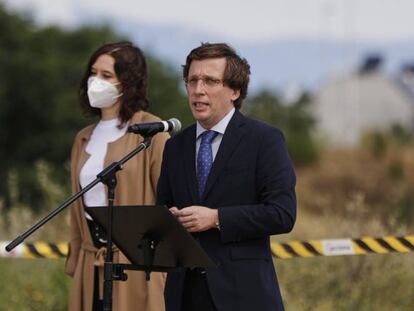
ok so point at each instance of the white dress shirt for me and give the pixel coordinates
(220, 127)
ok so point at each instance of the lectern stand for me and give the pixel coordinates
(151, 238)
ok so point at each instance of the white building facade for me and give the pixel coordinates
(347, 107)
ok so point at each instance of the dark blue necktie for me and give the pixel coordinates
(204, 159)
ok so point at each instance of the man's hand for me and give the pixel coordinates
(196, 218)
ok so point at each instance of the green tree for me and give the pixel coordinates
(294, 120)
(166, 92)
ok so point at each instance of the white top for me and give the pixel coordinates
(105, 132)
(220, 128)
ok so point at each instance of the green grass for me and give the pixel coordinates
(363, 283)
(33, 285)
(371, 282)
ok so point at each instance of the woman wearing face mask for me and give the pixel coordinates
(114, 87)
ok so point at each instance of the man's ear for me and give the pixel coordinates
(235, 95)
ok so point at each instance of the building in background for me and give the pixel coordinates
(366, 100)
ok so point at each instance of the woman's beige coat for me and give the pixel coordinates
(137, 184)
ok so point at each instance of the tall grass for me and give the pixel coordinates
(359, 282)
(34, 284)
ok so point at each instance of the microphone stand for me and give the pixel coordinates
(108, 177)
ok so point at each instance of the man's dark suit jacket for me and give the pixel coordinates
(252, 184)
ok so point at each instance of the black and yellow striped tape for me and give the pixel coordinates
(35, 250)
(338, 247)
(292, 249)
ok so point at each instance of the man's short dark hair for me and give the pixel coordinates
(236, 73)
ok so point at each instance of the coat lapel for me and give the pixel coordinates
(189, 148)
(234, 132)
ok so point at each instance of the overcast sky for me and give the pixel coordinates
(244, 20)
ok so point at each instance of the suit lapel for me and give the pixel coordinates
(189, 147)
(234, 132)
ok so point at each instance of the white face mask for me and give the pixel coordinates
(102, 93)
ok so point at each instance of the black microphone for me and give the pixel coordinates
(151, 128)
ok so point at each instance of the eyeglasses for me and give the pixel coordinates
(208, 82)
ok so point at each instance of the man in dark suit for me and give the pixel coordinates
(229, 180)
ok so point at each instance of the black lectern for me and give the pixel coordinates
(151, 238)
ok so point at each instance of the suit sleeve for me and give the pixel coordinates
(275, 212)
(157, 148)
(164, 194)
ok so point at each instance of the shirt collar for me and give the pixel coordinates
(220, 127)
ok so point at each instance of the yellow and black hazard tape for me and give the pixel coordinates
(292, 249)
(35, 250)
(340, 247)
